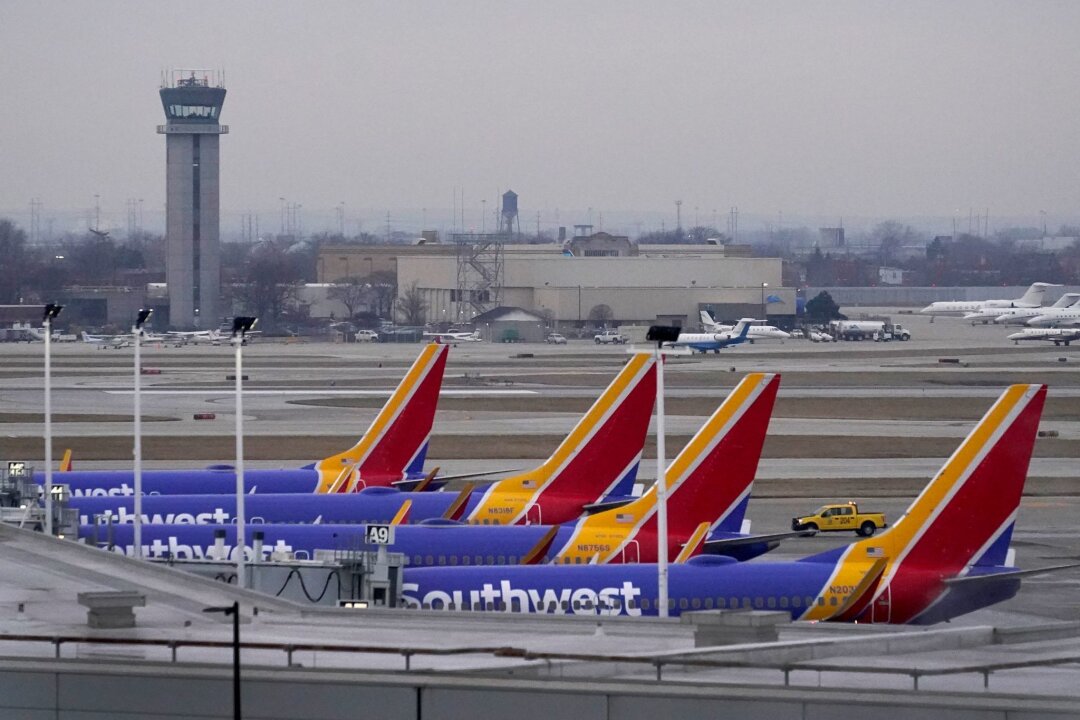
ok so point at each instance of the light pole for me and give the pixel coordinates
(241, 326)
(51, 312)
(661, 334)
(763, 312)
(233, 610)
(140, 320)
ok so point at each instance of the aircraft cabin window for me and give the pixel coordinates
(453, 559)
(645, 603)
(695, 603)
(515, 605)
(796, 601)
(512, 559)
(565, 604)
(490, 559)
(502, 560)
(416, 560)
(759, 603)
(478, 560)
(442, 559)
(708, 603)
(784, 601)
(821, 601)
(832, 600)
(430, 560)
(745, 602)
(771, 602)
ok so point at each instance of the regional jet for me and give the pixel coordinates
(714, 341)
(1030, 299)
(756, 332)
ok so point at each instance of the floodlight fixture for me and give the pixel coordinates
(242, 325)
(662, 334)
(51, 311)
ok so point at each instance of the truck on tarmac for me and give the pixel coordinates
(839, 517)
(879, 330)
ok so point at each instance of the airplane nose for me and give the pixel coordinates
(784, 335)
(928, 308)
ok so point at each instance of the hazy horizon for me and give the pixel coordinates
(838, 110)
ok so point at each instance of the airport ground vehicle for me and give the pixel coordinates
(609, 337)
(881, 330)
(555, 339)
(367, 336)
(841, 516)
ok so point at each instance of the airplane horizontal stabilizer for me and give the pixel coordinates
(1009, 573)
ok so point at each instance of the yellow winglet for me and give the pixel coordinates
(402, 513)
(537, 554)
(65, 463)
(454, 511)
(422, 485)
(693, 543)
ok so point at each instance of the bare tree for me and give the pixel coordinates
(12, 248)
(600, 315)
(271, 282)
(350, 292)
(412, 307)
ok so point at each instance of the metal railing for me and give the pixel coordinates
(659, 663)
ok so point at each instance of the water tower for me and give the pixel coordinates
(508, 217)
(192, 101)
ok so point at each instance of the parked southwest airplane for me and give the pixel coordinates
(598, 459)
(948, 555)
(715, 341)
(708, 485)
(1031, 299)
(390, 452)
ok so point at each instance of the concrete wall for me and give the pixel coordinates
(82, 690)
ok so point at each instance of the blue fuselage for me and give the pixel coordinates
(372, 505)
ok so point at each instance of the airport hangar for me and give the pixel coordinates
(567, 283)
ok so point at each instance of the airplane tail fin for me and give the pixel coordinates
(711, 479)
(742, 328)
(397, 440)
(707, 321)
(598, 458)
(709, 482)
(962, 520)
(1034, 294)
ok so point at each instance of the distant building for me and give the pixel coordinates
(601, 244)
(831, 238)
(890, 276)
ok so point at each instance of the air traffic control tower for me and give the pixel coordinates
(192, 101)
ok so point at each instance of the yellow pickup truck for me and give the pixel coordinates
(842, 516)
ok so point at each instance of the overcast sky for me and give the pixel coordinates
(802, 108)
